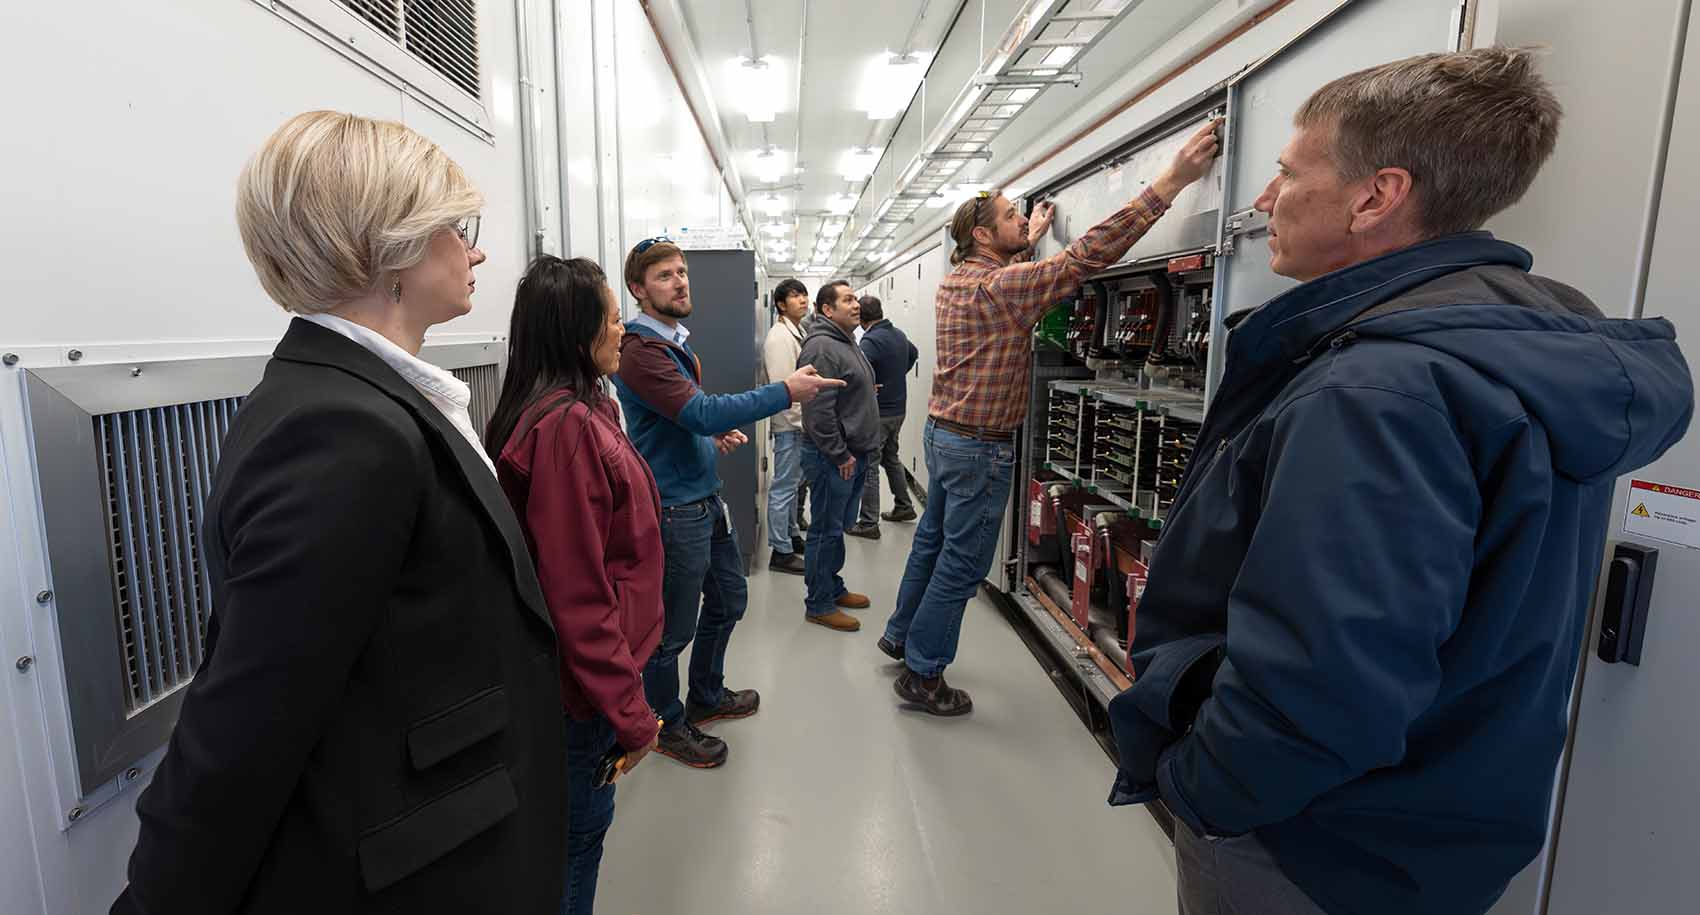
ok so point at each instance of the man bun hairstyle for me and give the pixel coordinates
(1473, 128)
(974, 212)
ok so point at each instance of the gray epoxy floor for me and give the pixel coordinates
(835, 800)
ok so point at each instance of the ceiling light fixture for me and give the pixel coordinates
(775, 228)
(772, 205)
(859, 163)
(756, 84)
(832, 229)
(768, 164)
(889, 82)
(841, 203)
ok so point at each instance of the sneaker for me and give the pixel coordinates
(899, 515)
(934, 696)
(864, 530)
(837, 619)
(684, 743)
(734, 703)
(789, 563)
(853, 601)
(893, 650)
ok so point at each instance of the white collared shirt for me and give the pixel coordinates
(447, 393)
(677, 334)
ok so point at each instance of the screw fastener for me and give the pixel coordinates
(42, 597)
(75, 355)
(75, 814)
(10, 359)
(25, 663)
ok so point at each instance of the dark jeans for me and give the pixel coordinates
(590, 812)
(967, 489)
(1234, 876)
(703, 595)
(832, 504)
(890, 426)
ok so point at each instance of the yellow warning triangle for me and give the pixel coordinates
(1641, 511)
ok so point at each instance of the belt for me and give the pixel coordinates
(977, 433)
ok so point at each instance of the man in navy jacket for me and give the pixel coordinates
(1356, 648)
(678, 428)
(893, 358)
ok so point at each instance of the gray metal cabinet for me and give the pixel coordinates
(727, 338)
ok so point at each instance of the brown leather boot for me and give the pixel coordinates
(853, 601)
(837, 619)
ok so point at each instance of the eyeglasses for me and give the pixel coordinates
(648, 243)
(467, 229)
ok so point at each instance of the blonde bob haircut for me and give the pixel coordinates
(334, 205)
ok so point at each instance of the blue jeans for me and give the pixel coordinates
(703, 595)
(967, 489)
(782, 492)
(590, 811)
(833, 501)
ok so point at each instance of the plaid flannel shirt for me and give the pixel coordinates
(986, 311)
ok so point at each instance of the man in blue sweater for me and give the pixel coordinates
(893, 358)
(680, 430)
(1355, 651)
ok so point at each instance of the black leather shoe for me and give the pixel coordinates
(684, 743)
(900, 515)
(893, 650)
(735, 703)
(864, 531)
(797, 545)
(935, 696)
(789, 563)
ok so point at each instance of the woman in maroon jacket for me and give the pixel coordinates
(592, 519)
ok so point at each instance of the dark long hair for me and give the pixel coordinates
(560, 309)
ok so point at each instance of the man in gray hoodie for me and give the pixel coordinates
(841, 433)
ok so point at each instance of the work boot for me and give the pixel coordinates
(684, 743)
(900, 514)
(789, 563)
(934, 696)
(837, 619)
(893, 650)
(853, 601)
(864, 530)
(734, 703)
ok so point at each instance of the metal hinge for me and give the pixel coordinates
(1247, 223)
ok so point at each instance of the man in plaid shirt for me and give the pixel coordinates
(986, 310)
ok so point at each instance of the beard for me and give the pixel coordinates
(674, 309)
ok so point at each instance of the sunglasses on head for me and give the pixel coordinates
(648, 243)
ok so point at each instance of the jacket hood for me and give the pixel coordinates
(824, 328)
(1611, 394)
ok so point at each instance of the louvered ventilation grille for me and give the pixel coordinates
(443, 34)
(486, 384)
(159, 465)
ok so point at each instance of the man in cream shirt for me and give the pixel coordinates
(779, 356)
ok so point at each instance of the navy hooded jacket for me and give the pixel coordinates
(1366, 611)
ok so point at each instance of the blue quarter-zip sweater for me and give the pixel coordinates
(671, 420)
(1365, 613)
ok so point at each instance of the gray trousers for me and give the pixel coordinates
(890, 426)
(1234, 876)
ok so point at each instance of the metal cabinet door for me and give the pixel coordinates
(1630, 817)
(1261, 105)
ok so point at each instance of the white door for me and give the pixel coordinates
(1629, 827)
(1260, 113)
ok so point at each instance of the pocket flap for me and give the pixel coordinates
(460, 726)
(437, 828)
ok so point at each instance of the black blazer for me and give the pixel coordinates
(377, 726)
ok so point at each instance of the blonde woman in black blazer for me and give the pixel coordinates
(377, 725)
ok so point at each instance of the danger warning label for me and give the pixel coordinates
(1667, 513)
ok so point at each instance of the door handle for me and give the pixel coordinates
(1629, 591)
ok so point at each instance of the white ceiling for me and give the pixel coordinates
(840, 39)
(835, 40)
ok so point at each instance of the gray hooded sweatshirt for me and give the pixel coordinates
(841, 422)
